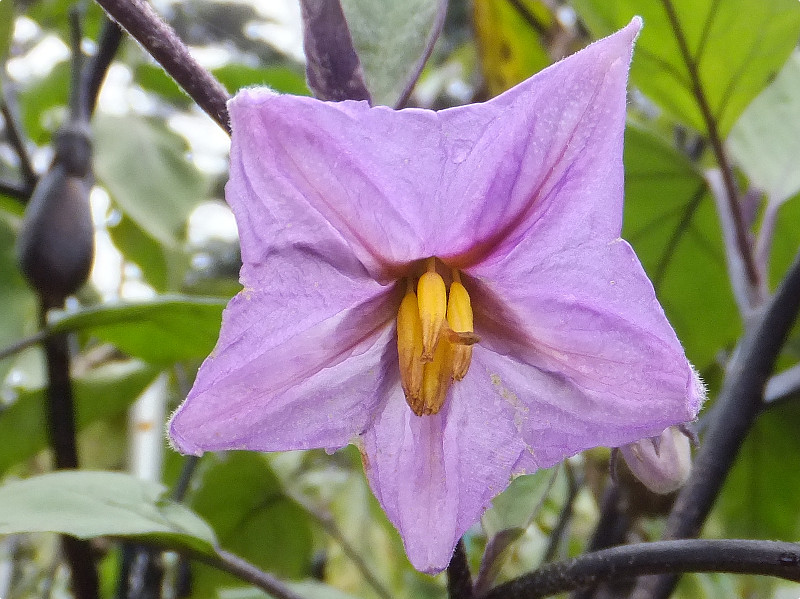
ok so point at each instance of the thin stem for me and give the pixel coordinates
(76, 102)
(139, 19)
(782, 387)
(23, 344)
(565, 516)
(770, 558)
(61, 429)
(459, 579)
(14, 134)
(742, 238)
(235, 565)
(737, 407)
(15, 190)
(328, 524)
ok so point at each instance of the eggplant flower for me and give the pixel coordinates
(446, 290)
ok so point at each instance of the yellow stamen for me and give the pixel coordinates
(436, 380)
(432, 301)
(409, 346)
(459, 317)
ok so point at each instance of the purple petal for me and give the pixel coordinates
(435, 475)
(399, 186)
(300, 362)
(585, 347)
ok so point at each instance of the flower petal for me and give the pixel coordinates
(587, 348)
(299, 363)
(435, 475)
(399, 186)
(542, 159)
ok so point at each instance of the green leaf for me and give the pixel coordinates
(163, 330)
(737, 46)
(671, 221)
(19, 305)
(281, 79)
(510, 48)
(93, 504)
(44, 104)
(242, 500)
(764, 482)
(766, 139)
(390, 38)
(143, 165)
(102, 393)
(163, 265)
(514, 508)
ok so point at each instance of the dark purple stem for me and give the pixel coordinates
(770, 558)
(459, 578)
(139, 19)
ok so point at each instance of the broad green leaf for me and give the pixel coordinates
(102, 393)
(736, 46)
(514, 508)
(144, 167)
(94, 504)
(390, 38)
(671, 221)
(166, 329)
(242, 500)
(236, 76)
(766, 139)
(163, 265)
(786, 240)
(763, 484)
(18, 302)
(510, 47)
(6, 27)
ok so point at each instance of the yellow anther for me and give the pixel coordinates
(432, 301)
(436, 380)
(459, 317)
(409, 346)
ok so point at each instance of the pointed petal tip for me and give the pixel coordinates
(177, 441)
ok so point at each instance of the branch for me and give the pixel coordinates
(735, 411)
(233, 564)
(782, 387)
(328, 524)
(139, 19)
(459, 579)
(742, 239)
(771, 558)
(15, 138)
(15, 190)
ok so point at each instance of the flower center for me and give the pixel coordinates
(434, 339)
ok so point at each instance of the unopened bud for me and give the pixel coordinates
(661, 463)
(55, 247)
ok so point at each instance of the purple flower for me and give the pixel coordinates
(373, 240)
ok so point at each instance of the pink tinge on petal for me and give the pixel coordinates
(435, 475)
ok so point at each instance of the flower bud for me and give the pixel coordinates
(661, 463)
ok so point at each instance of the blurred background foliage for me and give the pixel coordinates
(167, 262)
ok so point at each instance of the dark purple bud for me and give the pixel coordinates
(55, 247)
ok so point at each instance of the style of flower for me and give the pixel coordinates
(447, 290)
